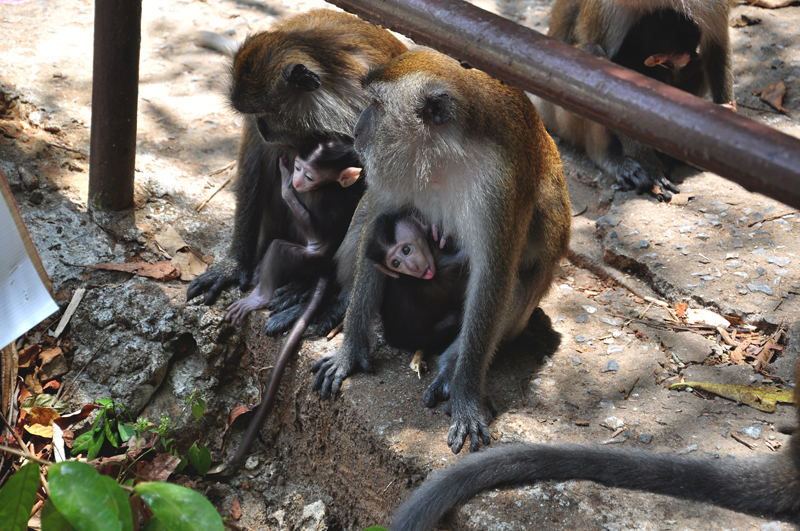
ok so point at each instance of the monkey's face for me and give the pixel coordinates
(411, 255)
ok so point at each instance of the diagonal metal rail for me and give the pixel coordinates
(753, 155)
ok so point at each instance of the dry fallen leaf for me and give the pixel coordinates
(160, 468)
(160, 270)
(236, 509)
(681, 308)
(190, 266)
(706, 317)
(41, 421)
(170, 240)
(774, 94)
(760, 398)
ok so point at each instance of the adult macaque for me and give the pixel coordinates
(766, 486)
(606, 24)
(326, 172)
(468, 153)
(303, 77)
(423, 301)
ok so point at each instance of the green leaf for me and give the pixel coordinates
(52, 520)
(179, 508)
(87, 500)
(181, 465)
(106, 402)
(154, 524)
(125, 432)
(17, 498)
(200, 458)
(44, 400)
(82, 442)
(197, 411)
(111, 435)
(376, 528)
(96, 445)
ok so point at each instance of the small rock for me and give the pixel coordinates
(575, 360)
(613, 423)
(582, 318)
(757, 285)
(760, 271)
(641, 244)
(29, 179)
(612, 322)
(772, 526)
(589, 309)
(733, 264)
(580, 338)
(251, 463)
(645, 438)
(689, 449)
(604, 222)
(781, 261)
(36, 197)
(614, 350)
(753, 431)
(610, 367)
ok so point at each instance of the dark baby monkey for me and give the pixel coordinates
(326, 172)
(423, 301)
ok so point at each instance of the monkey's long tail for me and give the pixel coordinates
(289, 346)
(763, 486)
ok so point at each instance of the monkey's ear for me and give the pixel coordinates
(438, 109)
(349, 176)
(657, 59)
(386, 271)
(301, 77)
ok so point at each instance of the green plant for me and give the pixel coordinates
(106, 428)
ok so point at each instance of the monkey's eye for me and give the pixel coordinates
(309, 177)
(296, 167)
(396, 263)
(406, 249)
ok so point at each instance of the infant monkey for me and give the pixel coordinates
(423, 302)
(322, 192)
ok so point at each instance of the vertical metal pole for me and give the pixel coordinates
(115, 91)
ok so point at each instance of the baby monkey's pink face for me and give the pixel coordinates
(411, 255)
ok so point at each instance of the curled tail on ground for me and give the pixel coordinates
(762, 486)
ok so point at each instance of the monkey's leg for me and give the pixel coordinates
(365, 299)
(260, 214)
(439, 389)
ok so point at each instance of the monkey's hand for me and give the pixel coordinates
(435, 232)
(332, 370)
(470, 416)
(227, 273)
(632, 176)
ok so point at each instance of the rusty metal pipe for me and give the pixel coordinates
(753, 155)
(115, 92)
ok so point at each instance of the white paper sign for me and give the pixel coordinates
(25, 298)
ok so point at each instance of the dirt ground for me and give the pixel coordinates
(599, 358)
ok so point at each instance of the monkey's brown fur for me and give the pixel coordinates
(471, 155)
(301, 78)
(605, 23)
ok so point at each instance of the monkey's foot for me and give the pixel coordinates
(438, 390)
(217, 279)
(292, 294)
(632, 176)
(332, 370)
(242, 308)
(468, 419)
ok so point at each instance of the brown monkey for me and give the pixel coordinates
(766, 486)
(326, 172)
(606, 23)
(301, 78)
(423, 302)
(469, 153)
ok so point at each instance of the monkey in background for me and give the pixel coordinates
(765, 486)
(326, 171)
(607, 23)
(301, 78)
(467, 152)
(424, 299)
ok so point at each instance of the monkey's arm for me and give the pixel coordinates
(299, 211)
(365, 298)
(761, 486)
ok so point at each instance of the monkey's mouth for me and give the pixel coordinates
(428, 274)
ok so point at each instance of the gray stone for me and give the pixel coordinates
(582, 318)
(687, 346)
(757, 285)
(752, 431)
(611, 366)
(646, 438)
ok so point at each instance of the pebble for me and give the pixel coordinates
(733, 264)
(612, 322)
(582, 318)
(781, 261)
(575, 360)
(760, 271)
(610, 367)
(645, 438)
(589, 309)
(614, 350)
(641, 244)
(36, 197)
(752, 431)
(580, 338)
(606, 221)
(29, 179)
(757, 285)
(689, 449)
